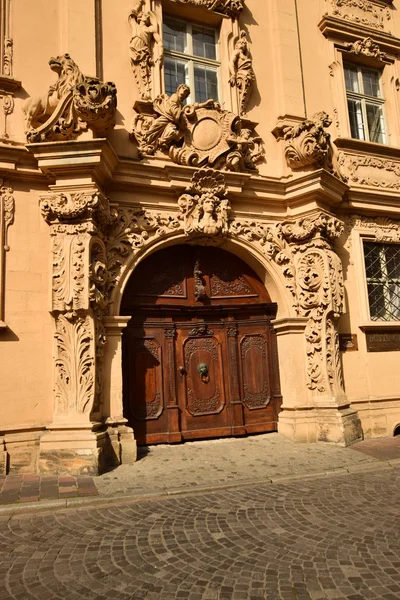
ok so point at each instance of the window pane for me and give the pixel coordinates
(375, 123)
(204, 43)
(382, 263)
(372, 261)
(205, 83)
(356, 119)
(392, 258)
(174, 35)
(175, 74)
(376, 301)
(351, 79)
(371, 83)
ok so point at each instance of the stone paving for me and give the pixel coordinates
(223, 462)
(31, 488)
(334, 537)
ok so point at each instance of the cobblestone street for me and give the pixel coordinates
(334, 537)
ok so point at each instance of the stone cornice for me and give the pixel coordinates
(346, 31)
(72, 159)
(9, 84)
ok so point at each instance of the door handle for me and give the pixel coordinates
(182, 370)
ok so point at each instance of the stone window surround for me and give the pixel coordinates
(190, 59)
(360, 235)
(228, 34)
(389, 92)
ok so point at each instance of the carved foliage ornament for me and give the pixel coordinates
(199, 135)
(69, 208)
(74, 103)
(308, 144)
(7, 210)
(232, 8)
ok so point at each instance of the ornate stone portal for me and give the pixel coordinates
(74, 103)
(197, 135)
(303, 251)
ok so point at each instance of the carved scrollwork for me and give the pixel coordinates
(362, 12)
(65, 208)
(232, 8)
(308, 144)
(199, 135)
(370, 171)
(72, 104)
(366, 47)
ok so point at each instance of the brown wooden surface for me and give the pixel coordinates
(192, 306)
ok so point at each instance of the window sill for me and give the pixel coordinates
(363, 147)
(380, 325)
(8, 85)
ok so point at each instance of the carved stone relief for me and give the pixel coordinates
(302, 249)
(381, 229)
(308, 144)
(7, 211)
(79, 300)
(205, 208)
(199, 134)
(232, 8)
(74, 103)
(362, 12)
(145, 37)
(369, 171)
(241, 71)
(8, 57)
(366, 47)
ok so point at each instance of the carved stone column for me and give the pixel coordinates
(121, 436)
(319, 293)
(77, 222)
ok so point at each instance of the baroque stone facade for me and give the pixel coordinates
(253, 155)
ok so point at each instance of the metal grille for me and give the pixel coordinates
(382, 266)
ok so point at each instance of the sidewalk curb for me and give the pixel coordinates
(29, 509)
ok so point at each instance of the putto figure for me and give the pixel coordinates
(241, 71)
(144, 35)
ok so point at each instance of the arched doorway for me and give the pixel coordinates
(199, 353)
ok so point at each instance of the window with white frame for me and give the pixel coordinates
(191, 57)
(365, 103)
(382, 266)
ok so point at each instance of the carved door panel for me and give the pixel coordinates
(259, 392)
(202, 394)
(143, 384)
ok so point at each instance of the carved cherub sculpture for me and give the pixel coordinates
(241, 71)
(144, 35)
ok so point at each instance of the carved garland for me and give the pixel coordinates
(7, 211)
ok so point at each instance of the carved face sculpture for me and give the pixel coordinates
(145, 19)
(183, 92)
(208, 205)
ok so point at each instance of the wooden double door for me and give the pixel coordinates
(199, 354)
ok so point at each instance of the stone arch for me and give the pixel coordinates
(252, 255)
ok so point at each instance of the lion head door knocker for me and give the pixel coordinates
(202, 370)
